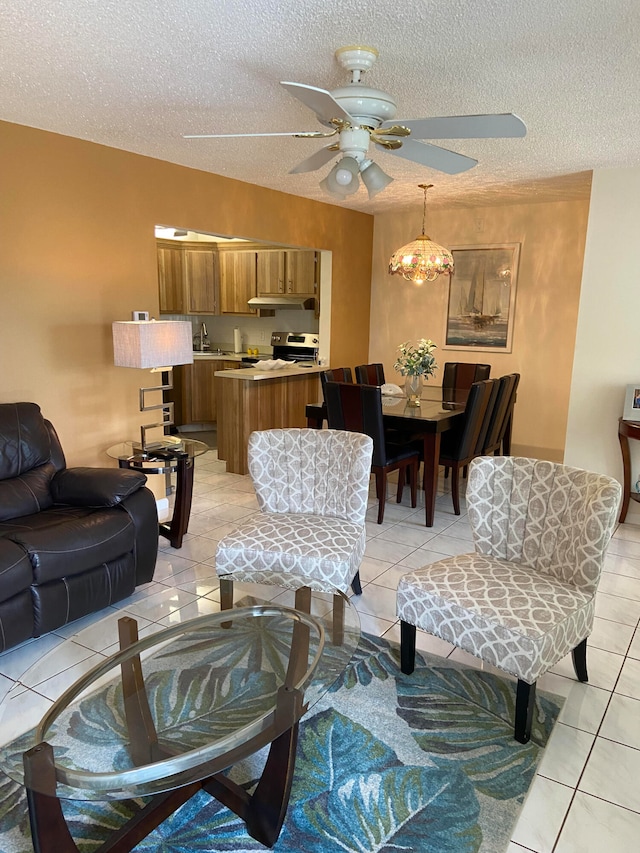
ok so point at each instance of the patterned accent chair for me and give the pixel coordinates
(312, 488)
(525, 598)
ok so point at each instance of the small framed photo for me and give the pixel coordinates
(632, 403)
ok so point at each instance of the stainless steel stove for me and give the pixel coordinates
(298, 347)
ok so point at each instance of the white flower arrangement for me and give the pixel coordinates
(416, 361)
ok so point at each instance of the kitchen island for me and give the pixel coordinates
(254, 399)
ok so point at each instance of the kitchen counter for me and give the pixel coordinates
(277, 401)
(281, 373)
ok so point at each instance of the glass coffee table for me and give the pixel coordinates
(164, 716)
(171, 454)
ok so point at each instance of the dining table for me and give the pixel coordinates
(426, 422)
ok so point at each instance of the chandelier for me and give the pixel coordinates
(422, 259)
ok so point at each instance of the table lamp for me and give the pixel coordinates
(155, 344)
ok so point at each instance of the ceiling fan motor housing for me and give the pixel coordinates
(365, 105)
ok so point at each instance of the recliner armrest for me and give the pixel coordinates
(95, 486)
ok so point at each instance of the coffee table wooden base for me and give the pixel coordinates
(263, 811)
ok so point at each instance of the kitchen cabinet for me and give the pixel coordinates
(170, 278)
(288, 272)
(201, 280)
(194, 393)
(187, 278)
(237, 281)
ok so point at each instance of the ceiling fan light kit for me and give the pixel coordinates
(422, 259)
(360, 115)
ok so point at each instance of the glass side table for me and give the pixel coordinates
(171, 455)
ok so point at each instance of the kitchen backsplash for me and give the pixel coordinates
(255, 331)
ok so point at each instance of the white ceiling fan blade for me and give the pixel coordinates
(494, 126)
(323, 104)
(316, 161)
(434, 157)
(309, 133)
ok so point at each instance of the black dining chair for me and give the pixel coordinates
(370, 374)
(493, 443)
(460, 376)
(492, 439)
(358, 408)
(338, 374)
(459, 445)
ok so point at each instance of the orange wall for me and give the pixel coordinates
(552, 237)
(78, 251)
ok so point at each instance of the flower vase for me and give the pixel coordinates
(413, 389)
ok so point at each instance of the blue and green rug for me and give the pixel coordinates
(386, 763)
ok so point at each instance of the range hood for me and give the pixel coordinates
(278, 302)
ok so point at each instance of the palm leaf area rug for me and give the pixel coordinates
(385, 763)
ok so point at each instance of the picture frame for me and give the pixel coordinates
(632, 403)
(482, 298)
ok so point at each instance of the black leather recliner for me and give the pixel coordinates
(72, 540)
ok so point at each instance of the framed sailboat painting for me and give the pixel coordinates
(482, 298)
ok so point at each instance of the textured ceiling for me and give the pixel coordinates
(138, 75)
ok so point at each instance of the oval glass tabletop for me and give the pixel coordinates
(130, 448)
(188, 701)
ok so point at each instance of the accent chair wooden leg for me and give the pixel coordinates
(356, 586)
(525, 703)
(407, 647)
(579, 656)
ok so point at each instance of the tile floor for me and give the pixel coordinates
(586, 796)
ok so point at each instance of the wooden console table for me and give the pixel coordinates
(627, 430)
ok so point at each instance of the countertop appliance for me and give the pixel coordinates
(298, 347)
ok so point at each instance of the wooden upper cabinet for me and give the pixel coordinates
(171, 278)
(237, 282)
(301, 272)
(201, 280)
(187, 278)
(270, 272)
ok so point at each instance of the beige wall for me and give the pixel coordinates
(78, 251)
(552, 237)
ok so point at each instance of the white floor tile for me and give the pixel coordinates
(374, 624)
(18, 660)
(21, 710)
(624, 547)
(603, 667)
(612, 773)
(617, 609)
(449, 545)
(565, 754)
(390, 552)
(625, 587)
(407, 534)
(622, 565)
(584, 706)
(370, 569)
(629, 681)
(610, 636)
(634, 650)
(622, 721)
(595, 826)
(424, 642)
(542, 815)
(157, 606)
(376, 601)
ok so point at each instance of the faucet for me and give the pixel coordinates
(202, 334)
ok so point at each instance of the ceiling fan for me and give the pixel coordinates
(359, 115)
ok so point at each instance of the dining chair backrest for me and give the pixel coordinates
(460, 376)
(357, 408)
(501, 412)
(463, 445)
(338, 374)
(370, 374)
(488, 416)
